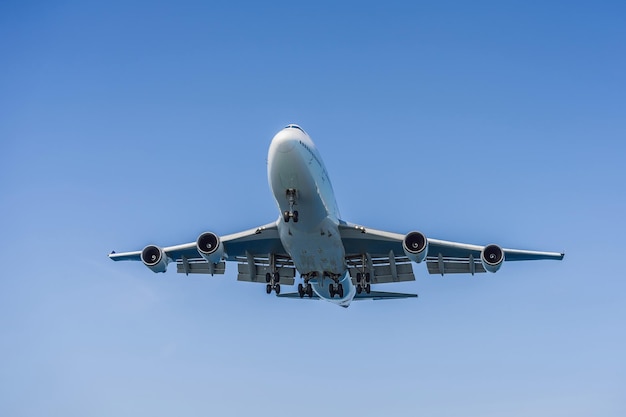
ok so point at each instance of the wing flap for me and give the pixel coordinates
(384, 273)
(287, 273)
(199, 266)
(382, 269)
(442, 266)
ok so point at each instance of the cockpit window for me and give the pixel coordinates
(294, 127)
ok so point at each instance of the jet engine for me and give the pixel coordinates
(415, 246)
(154, 258)
(492, 257)
(210, 247)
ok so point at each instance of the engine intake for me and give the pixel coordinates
(492, 257)
(154, 258)
(210, 247)
(415, 246)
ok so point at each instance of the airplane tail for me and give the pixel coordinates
(373, 295)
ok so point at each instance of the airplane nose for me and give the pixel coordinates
(284, 142)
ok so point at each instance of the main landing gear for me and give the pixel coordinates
(335, 287)
(273, 282)
(291, 213)
(307, 288)
(363, 282)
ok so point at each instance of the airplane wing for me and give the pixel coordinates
(382, 252)
(255, 250)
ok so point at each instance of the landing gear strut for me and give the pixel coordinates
(307, 288)
(291, 195)
(272, 278)
(363, 282)
(273, 282)
(335, 287)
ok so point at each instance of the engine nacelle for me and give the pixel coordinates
(210, 247)
(415, 246)
(154, 258)
(492, 257)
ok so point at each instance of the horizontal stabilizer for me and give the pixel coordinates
(382, 295)
(374, 295)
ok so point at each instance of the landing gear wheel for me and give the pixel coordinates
(367, 288)
(367, 277)
(286, 217)
(295, 216)
(276, 278)
(340, 290)
(268, 288)
(268, 277)
(359, 289)
(309, 291)
(358, 277)
(277, 289)
(331, 289)
(300, 290)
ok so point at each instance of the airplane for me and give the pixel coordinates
(337, 261)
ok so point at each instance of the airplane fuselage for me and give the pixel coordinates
(313, 240)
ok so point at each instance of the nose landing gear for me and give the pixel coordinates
(291, 195)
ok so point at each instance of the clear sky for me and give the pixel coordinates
(129, 123)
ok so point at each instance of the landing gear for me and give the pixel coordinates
(306, 289)
(290, 215)
(363, 282)
(335, 287)
(291, 195)
(273, 282)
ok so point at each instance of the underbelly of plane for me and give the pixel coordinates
(318, 250)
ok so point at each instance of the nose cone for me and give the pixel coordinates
(284, 142)
(286, 139)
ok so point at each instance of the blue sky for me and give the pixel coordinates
(129, 123)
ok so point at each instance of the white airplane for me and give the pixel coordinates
(337, 261)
